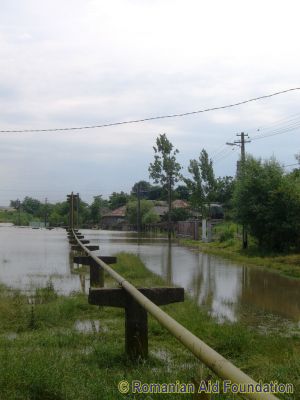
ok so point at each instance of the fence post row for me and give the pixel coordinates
(138, 302)
(136, 317)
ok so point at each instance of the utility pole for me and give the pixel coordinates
(70, 199)
(241, 144)
(169, 206)
(77, 206)
(46, 209)
(138, 217)
(19, 211)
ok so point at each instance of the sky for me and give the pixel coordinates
(72, 63)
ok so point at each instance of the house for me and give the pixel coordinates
(180, 204)
(114, 219)
(161, 207)
(7, 209)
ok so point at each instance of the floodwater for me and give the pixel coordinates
(30, 257)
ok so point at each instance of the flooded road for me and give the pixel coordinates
(30, 257)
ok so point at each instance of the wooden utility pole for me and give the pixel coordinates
(77, 209)
(70, 199)
(241, 144)
(46, 212)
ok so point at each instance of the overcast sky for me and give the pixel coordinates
(83, 62)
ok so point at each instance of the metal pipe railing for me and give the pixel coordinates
(212, 359)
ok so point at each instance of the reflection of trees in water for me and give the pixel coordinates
(215, 288)
(166, 263)
(271, 292)
(203, 281)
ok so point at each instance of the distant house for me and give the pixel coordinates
(161, 207)
(7, 209)
(114, 219)
(180, 204)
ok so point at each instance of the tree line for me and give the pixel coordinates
(264, 198)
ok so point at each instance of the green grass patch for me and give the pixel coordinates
(56, 347)
(228, 244)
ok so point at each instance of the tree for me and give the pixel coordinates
(132, 210)
(97, 207)
(223, 193)
(268, 203)
(203, 183)
(31, 206)
(182, 192)
(117, 200)
(165, 169)
(178, 214)
(144, 188)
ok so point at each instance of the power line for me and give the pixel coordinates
(291, 165)
(151, 118)
(273, 125)
(278, 132)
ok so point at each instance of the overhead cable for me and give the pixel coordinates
(151, 118)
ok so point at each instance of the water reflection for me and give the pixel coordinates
(228, 290)
(28, 258)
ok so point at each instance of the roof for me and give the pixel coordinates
(160, 210)
(180, 204)
(118, 212)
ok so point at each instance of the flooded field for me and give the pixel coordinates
(30, 257)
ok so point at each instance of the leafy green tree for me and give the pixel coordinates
(178, 214)
(182, 192)
(223, 193)
(97, 207)
(268, 203)
(59, 214)
(117, 200)
(132, 207)
(56, 219)
(150, 217)
(22, 219)
(165, 170)
(203, 184)
(144, 188)
(31, 206)
(157, 192)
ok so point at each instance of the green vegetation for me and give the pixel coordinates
(203, 181)
(44, 354)
(165, 169)
(268, 202)
(147, 215)
(227, 244)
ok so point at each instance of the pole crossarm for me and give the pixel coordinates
(212, 359)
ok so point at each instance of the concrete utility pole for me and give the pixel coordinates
(138, 217)
(241, 144)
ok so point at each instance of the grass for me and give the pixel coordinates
(44, 356)
(228, 245)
